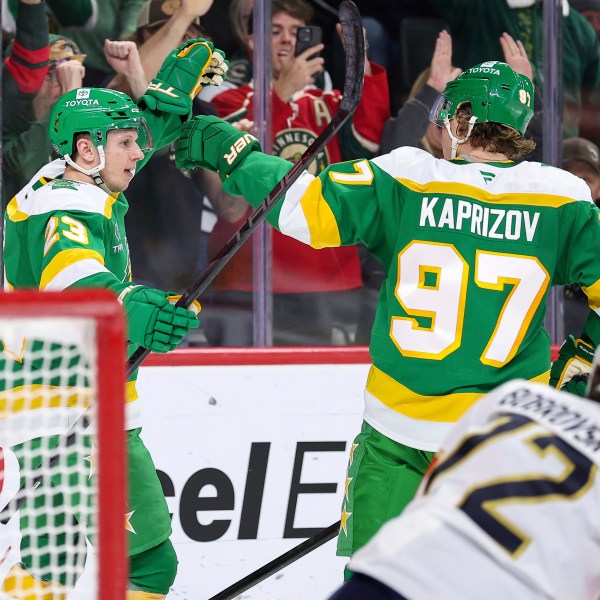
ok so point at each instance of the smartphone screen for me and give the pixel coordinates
(306, 37)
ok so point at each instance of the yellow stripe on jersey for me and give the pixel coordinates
(470, 191)
(447, 409)
(324, 232)
(36, 396)
(593, 294)
(65, 259)
(14, 213)
(110, 200)
(130, 392)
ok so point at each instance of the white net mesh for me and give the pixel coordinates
(48, 389)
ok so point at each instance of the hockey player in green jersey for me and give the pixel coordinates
(65, 230)
(470, 245)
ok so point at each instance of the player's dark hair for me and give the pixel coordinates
(493, 137)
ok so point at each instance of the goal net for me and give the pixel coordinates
(62, 446)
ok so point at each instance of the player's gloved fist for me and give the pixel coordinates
(574, 360)
(182, 75)
(211, 143)
(154, 322)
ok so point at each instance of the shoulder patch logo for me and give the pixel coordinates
(63, 184)
(487, 176)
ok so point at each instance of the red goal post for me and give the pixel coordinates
(63, 356)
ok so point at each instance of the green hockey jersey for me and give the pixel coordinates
(469, 251)
(62, 234)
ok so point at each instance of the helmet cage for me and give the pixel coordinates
(99, 132)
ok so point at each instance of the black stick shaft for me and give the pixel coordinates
(279, 563)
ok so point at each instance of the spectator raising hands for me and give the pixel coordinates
(411, 126)
(124, 58)
(441, 70)
(62, 77)
(515, 55)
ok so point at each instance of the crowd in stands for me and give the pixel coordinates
(179, 220)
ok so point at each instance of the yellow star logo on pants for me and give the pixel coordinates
(354, 447)
(346, 486)
(344, 520)
(128, 525)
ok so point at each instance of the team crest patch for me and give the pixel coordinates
(290, 144)
(63, 184)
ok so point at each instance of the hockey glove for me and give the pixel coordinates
(183, 73)
(153, 321)
(211, 143)
(570, 370)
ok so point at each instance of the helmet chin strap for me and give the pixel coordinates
(456, 141)
(94, 172)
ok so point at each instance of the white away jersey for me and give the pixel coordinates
(509, 510)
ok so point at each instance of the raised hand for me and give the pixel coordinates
(69, 75)
(515, 55)
(123, 56)
(441, 70)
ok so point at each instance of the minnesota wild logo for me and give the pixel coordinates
(290, 144)
(63, 184)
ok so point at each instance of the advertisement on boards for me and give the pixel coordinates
(252, 459)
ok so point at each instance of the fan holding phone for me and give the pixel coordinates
(313, 290)
(307, 37)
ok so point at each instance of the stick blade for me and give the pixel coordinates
(354, 47)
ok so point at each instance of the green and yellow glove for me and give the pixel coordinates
(184, 72)
(571, 369)
(211, 143)
(153, 320)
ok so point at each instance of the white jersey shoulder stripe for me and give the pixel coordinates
(526, 178)
(73, 273)
(83, 197)
(42, 195)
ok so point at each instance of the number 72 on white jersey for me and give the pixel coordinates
(432, 282)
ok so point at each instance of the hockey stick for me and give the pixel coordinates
(353, 83)
(278, 563)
